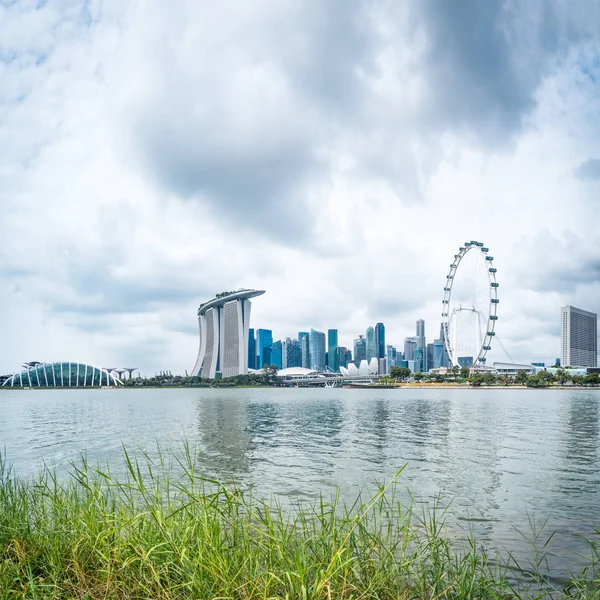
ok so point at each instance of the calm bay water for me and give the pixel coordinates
(499, 457)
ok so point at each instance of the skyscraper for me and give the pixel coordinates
(251, 349)
(429, 356)
(303, 338)
(421, 349)
(410, 344)
(360, 350)
(292, 354)
(380, 340)
(332, 345)
(370, 343)
(348, 357)
(391, 356)
(439, 350)
(277, 354)
(342, 359)
(224, 324)
(579, 337)
(264, 341)
(317, 341)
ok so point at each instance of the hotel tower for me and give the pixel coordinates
(224, 324)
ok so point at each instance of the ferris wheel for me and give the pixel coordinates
(470, 305)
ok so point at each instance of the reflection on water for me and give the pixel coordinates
(500, 457)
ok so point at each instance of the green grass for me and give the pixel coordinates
(163, 531)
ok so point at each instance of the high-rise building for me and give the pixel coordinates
(410, 345)
(317, 341)
(251, 349)
(380, 340)
(332, 346)
(382, 366)
(579, 337)
(420, 358)
(465, 361)
(264, 341)
(413, 365)
(421, 348)
(277, 354)
(224, 324)
(429, 356)
(360, 350)
(439, 351)
(348, 358)
(303, 338)
(342, 359)
(371, 352)
(391, 354)
(293, 354)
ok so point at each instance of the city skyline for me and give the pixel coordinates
(336, 158)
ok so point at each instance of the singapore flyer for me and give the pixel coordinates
(470, 306)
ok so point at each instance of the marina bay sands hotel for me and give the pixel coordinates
(224, 325)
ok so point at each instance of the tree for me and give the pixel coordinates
(540, 379)
(490, 379)
(400, 373)
(562, 376)
(476, 379)
(455, 370)
(464, 372)
(418, 376)
(521, 378)
(591, 379)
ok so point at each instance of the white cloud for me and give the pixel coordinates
(154, 154)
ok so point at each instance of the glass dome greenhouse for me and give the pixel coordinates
(62, 374)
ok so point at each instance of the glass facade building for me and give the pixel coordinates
(62, 374)
(277, 354)
(410, 345)
(371, 352)
(251, 349)
(292, 354)
(264, 342)
(332, 346)
(360, 350)
(380, 340)
(439, 353)
(303, 338)
(421, 348)
(317, 341)
(429, 356)
(465, 361)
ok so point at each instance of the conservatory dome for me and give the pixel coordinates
(61, 374)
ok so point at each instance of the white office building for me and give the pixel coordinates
(579, 337)
(224, 324)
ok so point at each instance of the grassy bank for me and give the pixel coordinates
(154, 534)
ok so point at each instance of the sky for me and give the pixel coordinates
(333, 153)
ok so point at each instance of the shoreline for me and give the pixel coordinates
(406, 386)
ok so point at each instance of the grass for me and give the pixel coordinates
(164, 531)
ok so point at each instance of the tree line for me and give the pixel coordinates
(477, 378)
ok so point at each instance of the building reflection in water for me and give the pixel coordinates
(224, 438)
(579, 447)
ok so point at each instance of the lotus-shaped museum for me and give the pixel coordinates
(365, 369)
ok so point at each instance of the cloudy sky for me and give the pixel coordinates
(334, 153)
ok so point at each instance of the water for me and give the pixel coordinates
(501, 458)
